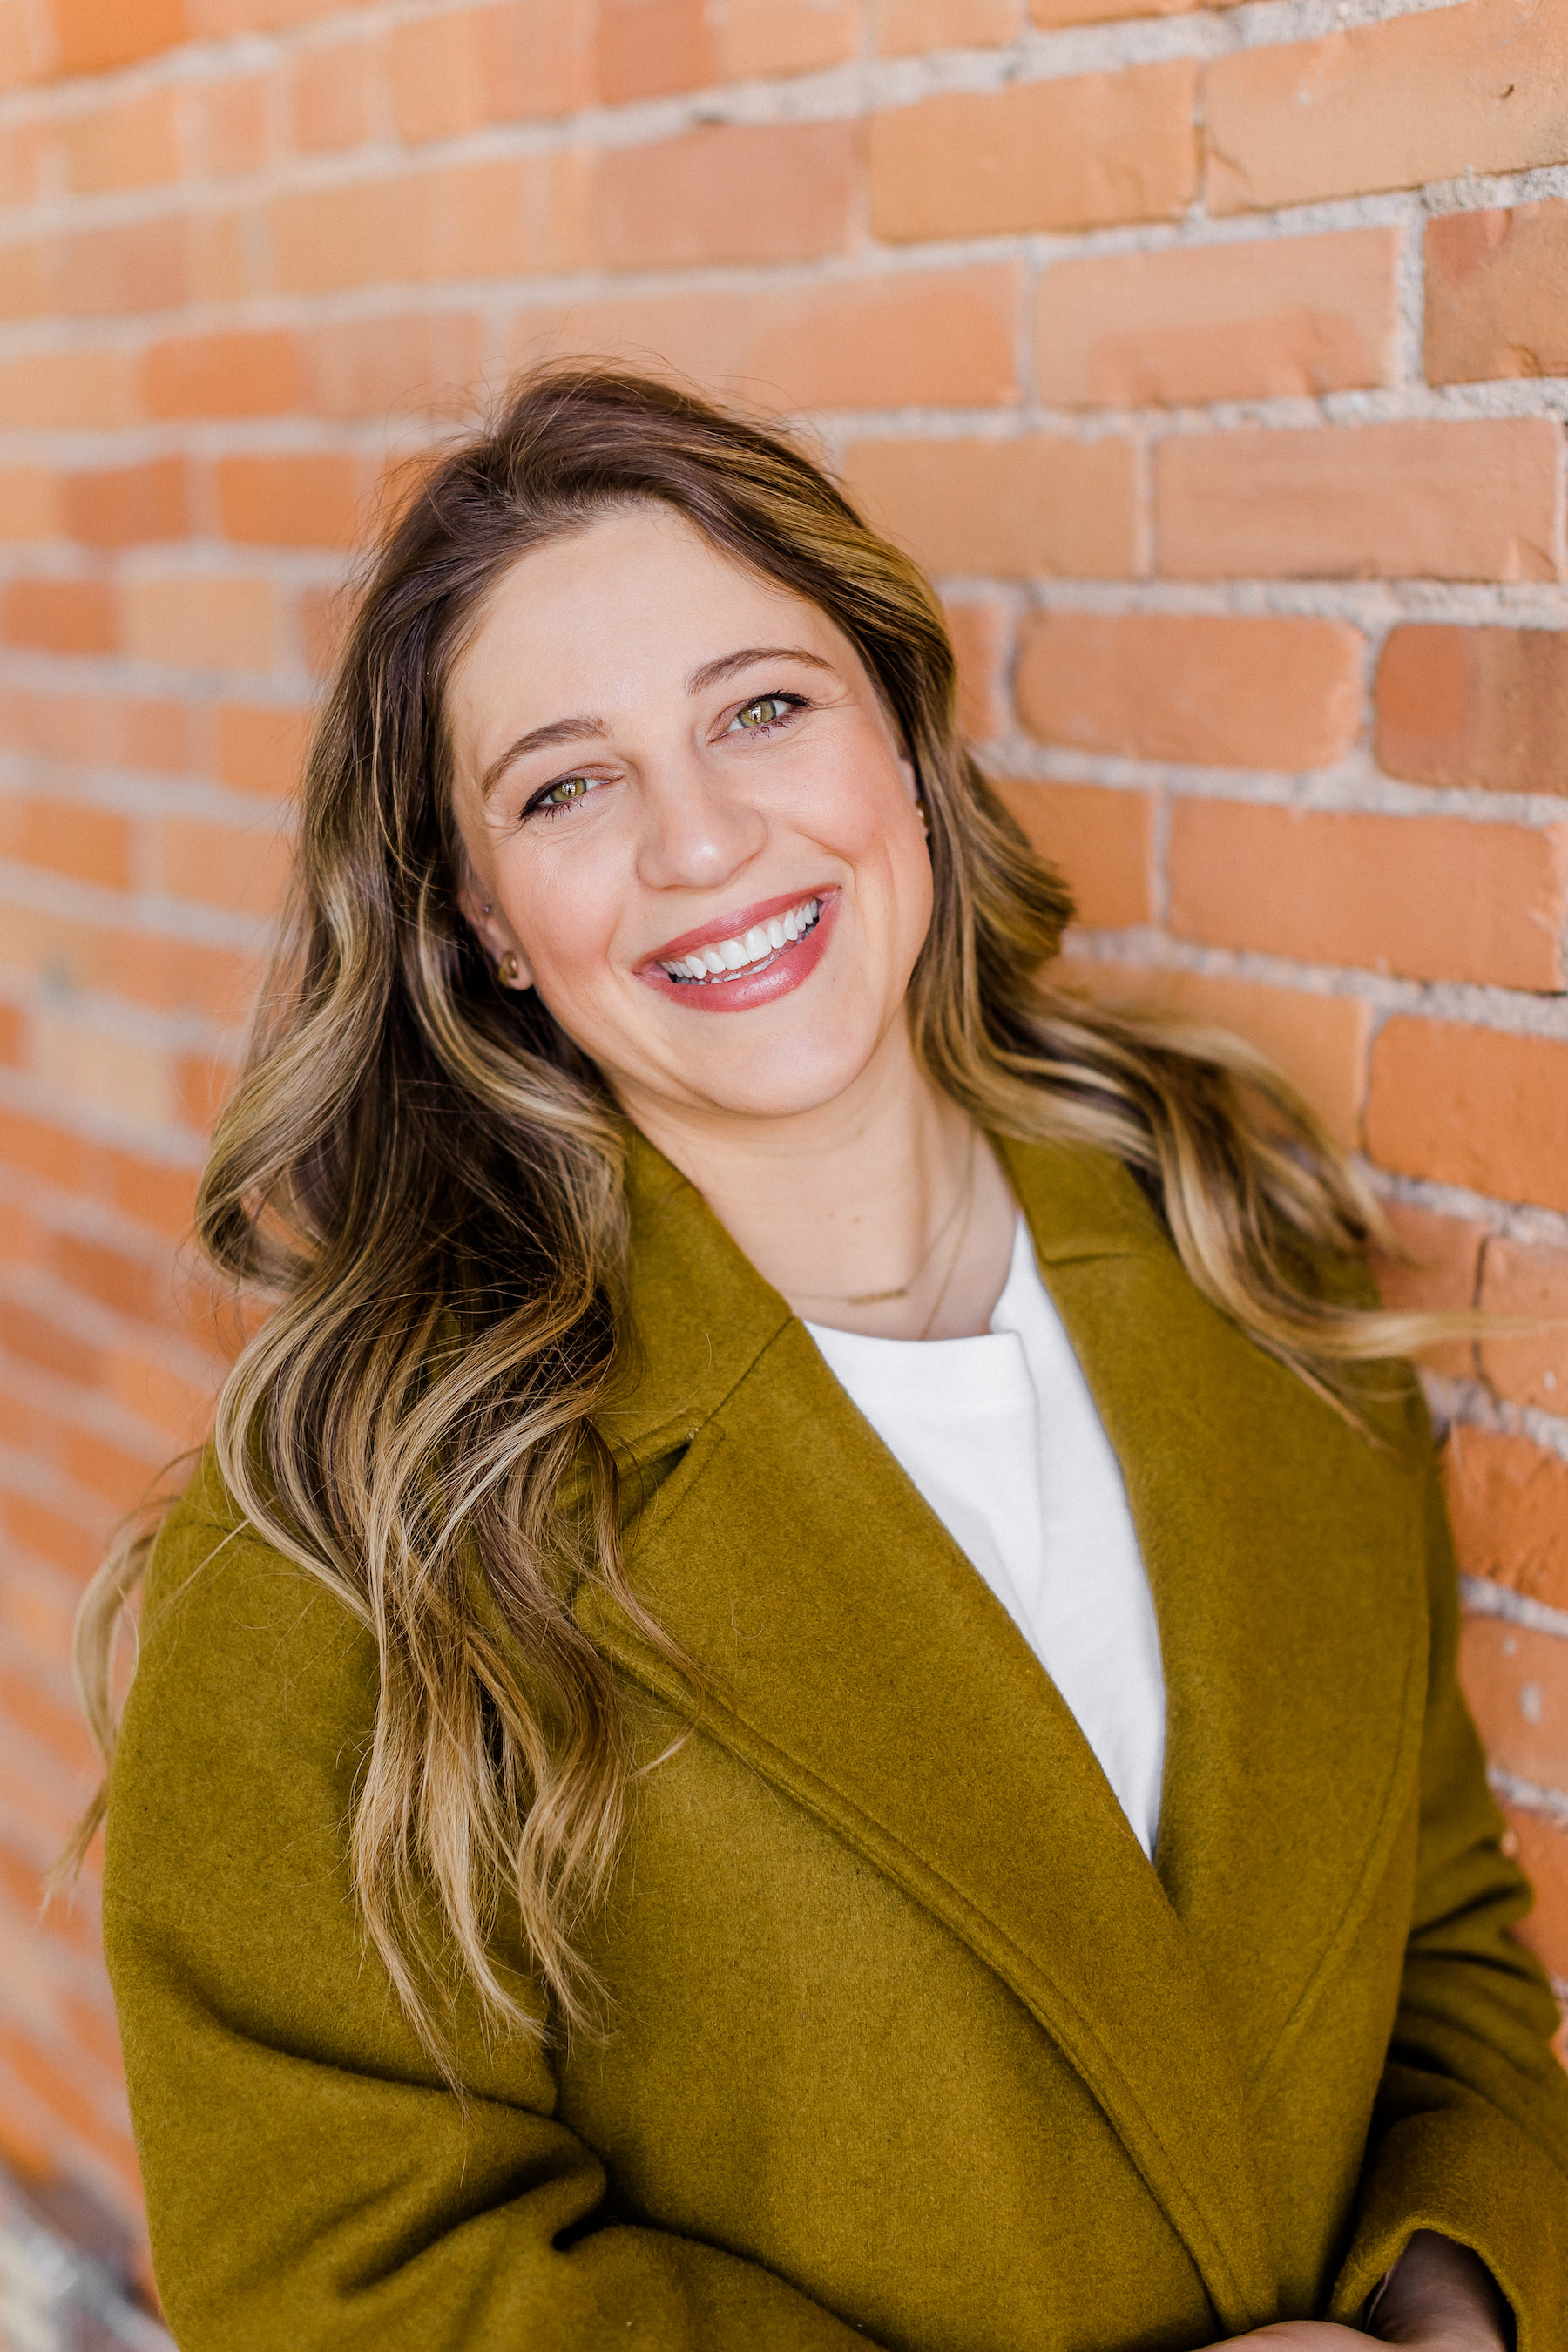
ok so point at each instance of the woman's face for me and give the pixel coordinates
(665, 765)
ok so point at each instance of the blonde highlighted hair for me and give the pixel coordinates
(421, 1175)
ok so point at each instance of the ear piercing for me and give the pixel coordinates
(509, 971)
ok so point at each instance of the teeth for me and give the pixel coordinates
(764, 939)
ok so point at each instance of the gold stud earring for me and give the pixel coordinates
(924, 817)
(509, 971)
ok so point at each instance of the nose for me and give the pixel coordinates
(699, 830)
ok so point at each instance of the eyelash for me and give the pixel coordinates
(540, 806)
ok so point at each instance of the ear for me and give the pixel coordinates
(494, 934)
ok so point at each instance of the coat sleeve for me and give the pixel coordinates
(310, 2180)
(1469, 2134)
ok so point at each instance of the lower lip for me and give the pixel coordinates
(788, 968)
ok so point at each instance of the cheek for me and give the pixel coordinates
(564, 914)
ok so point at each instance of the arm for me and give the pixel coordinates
(1469, 2135)
(310, 2180)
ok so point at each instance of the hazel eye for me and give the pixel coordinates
(563, 794)
(767, 710)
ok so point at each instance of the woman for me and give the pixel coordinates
(808, 1694)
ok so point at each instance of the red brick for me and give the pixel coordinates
(261, 747)
(1243, 693)
(1496, 294)
(1317, 1041)
(648, 49)
(1475, 706)
(756, 38)
(364, 367)
(92, 39)
(1440, 1271)
(239, 136)
(1509, 1502)
(293, 501)
(1434, 96)
(1429, 897)
(29, 502)
(242, 867)
(1050, 13)
(88, 843)
(200, 621)
(1103, 841)
(60, 617)
(126, 1285)
(775, 191)
(979, 632)
(127, 506)
(1517, 1684)
(1081, 152)
(904, 28)
(326, 238)
(1024, 507)
(241, 374)
(470, 67)
(1480, 1108)
(140, 266)
(25, 274)
(130, 142)
(501, 217)
(1259, 321)
(1542, 1850)
(333, 94)
(35, 1340)
(1424, 500)
(1528, 1280)
(102, 729)
(938, 337)
(57, 390)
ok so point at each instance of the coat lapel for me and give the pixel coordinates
(860, 1664)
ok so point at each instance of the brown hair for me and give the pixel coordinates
(422, 1174)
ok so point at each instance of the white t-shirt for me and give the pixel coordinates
(1001, 1436)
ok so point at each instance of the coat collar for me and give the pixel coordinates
(867, 1671)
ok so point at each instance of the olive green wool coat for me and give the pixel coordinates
(912, 2044)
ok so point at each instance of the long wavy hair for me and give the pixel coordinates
(421, 1177)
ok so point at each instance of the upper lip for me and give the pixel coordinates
(732, 926)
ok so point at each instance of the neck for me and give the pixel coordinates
(847, 1198)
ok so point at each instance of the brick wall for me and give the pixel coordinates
(1216, 362)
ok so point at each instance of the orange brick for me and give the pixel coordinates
(211, 18)
(941, 338)
(136, 1286)
(24, 53)
(29, 502)
(25, 279)
(127, 506)
(237, 133)
(139, 267)
(200, 621)
(58, 616)
(92, 39)
(1529, 1280)
(156, 1193)
(980, 632)
(11, 1037)
(1430, 897)
(1239, 693)
(1475, 1106)
(1476, 88)
(1038, 505)
(1052, 13)
(905, 27)
(1103, 841)
(90, 844)
(324, 239)
(132, 142)
(755, 37)
(365, 367)
(235, 374)
(648, 48)
(229, 253)
(1496, 284)
(1517, 1684)
(1075, 154)
(261, 747)
(777, 192)
(61, 388)
(1259, 321)
(504, 218)
(243, 866)
(457, 71)
(26, 144)
(104, 730)
(1317, 1041)
(26, 1333)
(333, 94)
(1541, 1849)
(1479, 707)
(1473, 501)
(1440, 1270)
(295, 502)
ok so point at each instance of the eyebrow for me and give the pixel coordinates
(586, 729)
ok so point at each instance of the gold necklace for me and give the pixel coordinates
(965, 1202)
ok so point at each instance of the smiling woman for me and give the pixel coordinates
(807, 1694)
